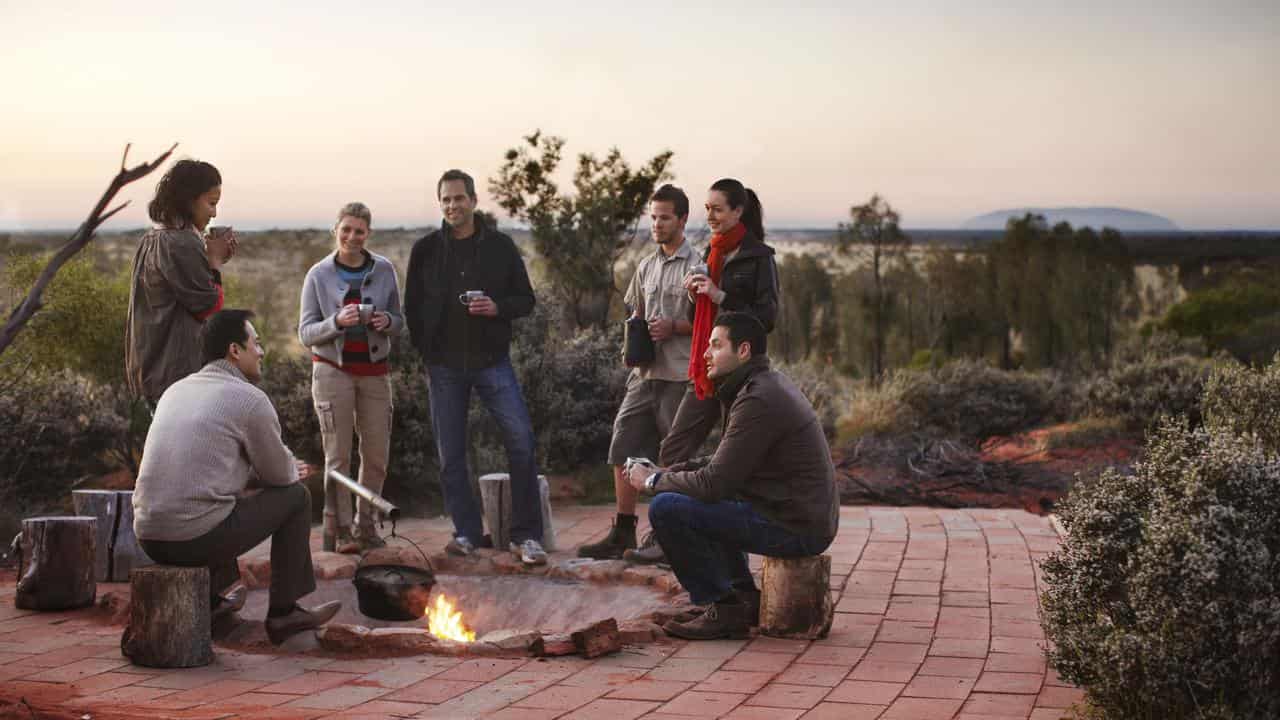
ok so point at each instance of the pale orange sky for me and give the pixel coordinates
(949, 109)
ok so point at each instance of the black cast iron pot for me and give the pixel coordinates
(393, 592)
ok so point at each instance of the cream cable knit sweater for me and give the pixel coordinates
(214, 435)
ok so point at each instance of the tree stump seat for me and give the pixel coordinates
(169, 622)
(118, 550)
(795, 597)
(495, 496)
(56, 563)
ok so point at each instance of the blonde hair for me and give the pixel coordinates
(356, 210)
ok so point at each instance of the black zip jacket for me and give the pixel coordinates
(498, 270)
(749, 282)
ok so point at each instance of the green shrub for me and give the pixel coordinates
(1164, 599)
(971, 399)
(1243, 401)
(81, 326)
(1146, 389)
(61, 429)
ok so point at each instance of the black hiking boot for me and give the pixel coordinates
(621, 538)
(720, 620)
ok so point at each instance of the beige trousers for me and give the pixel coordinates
(344, 403)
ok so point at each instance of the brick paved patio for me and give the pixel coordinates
(936, 618)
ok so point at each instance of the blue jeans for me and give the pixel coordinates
(707, 543)
(500, 393)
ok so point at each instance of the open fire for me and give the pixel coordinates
(446, 623)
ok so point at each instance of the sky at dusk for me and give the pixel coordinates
(948, 109)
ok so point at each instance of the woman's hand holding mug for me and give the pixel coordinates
(348, 316)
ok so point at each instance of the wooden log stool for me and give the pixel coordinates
(118, 548)
(495, 496)
(795, 597)
(56, 563)
(169, 623)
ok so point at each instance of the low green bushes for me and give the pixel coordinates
(1164, 599)
(966, 399)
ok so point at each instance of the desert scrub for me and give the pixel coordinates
(60, 428)
(1142, 391)
(965, 399)
(1242, 400)
(1163, 601)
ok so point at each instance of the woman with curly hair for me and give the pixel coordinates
(176, 281)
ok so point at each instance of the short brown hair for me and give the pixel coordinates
(674, 195)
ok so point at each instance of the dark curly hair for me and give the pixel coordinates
(178, 189)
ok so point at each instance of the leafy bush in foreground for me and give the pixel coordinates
(1164, 599)
(1244, 401)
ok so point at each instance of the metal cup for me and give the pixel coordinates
(219, 230)
(366, 313)
(469, 296)
(700, 269)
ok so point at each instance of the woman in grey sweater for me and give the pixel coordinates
(350, 311)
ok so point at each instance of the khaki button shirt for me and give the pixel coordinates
(657, 288)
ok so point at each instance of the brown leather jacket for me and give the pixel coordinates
(772, 454)
(172, 291)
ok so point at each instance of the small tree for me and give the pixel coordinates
(583, 235)
(875, 236)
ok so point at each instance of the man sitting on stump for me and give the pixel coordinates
(769, 489)
(214, 439)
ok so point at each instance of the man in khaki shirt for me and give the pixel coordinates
(654, 390)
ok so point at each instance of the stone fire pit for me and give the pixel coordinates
(569, 606)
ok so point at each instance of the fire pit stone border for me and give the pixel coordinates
(608, 635)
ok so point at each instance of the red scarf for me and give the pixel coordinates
(704, 313)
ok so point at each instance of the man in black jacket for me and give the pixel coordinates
(465, 285)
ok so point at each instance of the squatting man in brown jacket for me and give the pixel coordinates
(769, 489)
(216, 480)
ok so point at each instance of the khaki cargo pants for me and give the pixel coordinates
(344, 403)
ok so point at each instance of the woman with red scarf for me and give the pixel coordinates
(741, 276)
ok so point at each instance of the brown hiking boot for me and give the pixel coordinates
(617, 542)
(649, 552)
(720, 620)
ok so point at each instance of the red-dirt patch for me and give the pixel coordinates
(1017, 471)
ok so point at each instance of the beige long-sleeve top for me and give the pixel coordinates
(214, 435)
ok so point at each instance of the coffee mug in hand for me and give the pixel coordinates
(366, 313)
(219, 231)
(470, 296)
(700, 269)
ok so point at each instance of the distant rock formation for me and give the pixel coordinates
(1121, 219)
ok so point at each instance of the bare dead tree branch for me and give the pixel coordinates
(27, 309)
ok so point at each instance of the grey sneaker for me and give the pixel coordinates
(460, 547)
(530, 552)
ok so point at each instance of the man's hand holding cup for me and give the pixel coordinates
(478, 303)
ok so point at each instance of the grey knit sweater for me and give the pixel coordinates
(214, 435)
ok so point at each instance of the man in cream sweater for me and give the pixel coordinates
(216, 480)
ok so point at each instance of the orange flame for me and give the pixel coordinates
(446, 623)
